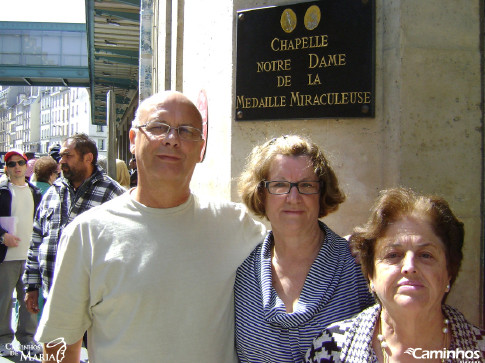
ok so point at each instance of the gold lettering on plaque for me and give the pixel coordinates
(283, 81)
(314, 80)
(274, 65)
(329, 99)
(315, 41)
(261, 102)
(329, 60)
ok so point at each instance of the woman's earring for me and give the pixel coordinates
(447, 288)
(371, 286)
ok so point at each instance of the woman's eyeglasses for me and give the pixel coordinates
(284, 187)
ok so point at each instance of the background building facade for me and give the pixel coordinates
(35, 118)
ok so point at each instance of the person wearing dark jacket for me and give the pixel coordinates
(18, 202)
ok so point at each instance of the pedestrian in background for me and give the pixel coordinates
(45, 174)
(31, 159)
(18, 202)
(103, 163)
(122, 174)
(54, 152)
(45, 171)
(133, 172)
(83, 185)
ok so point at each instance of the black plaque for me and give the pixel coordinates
(307, 60)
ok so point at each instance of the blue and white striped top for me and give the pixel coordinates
(334, 289)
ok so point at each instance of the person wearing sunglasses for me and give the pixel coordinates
(303, 276)
(18, 202)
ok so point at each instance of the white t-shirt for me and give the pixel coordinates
(22, 209)
(150, 285)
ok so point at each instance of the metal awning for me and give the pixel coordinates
(113, 31)
(43, 54)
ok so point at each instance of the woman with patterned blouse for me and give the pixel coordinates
(303, 276)
(411, 251)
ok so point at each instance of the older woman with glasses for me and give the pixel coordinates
(303, 276)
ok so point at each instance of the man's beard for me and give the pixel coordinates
(68, 173)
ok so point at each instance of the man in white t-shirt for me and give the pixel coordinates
(150, 274)
(18, 202)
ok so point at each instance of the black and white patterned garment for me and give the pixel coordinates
(351, 340)
(334, 289)
(59, 206)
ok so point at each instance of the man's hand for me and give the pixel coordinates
(32, 301)
(10, 240)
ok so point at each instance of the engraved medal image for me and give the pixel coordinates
(312, 17)
(288, 20)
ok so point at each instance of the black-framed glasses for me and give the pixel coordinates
(157, 128)
(284, 187)
(11, 164)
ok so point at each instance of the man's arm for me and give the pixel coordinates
(32, 277)
(66, 315)
(63, 353)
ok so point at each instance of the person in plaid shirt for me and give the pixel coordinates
(84, 185)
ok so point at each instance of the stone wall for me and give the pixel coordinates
(426, 133)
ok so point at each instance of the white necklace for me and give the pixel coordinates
(384, 345)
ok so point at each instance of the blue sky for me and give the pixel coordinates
(57, 11)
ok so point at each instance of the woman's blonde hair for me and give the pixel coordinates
(122, 174)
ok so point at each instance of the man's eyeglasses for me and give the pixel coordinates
(284, 187)
(157, 128)
(11, 164)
